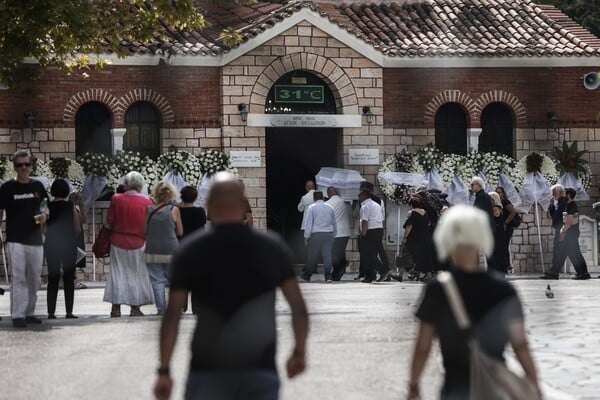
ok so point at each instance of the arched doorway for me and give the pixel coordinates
(451, 129)
(93, 122)
(295, 155)
(497, 124)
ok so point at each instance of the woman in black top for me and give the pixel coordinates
(418, 237)
(510, 213)
(192, 217)
(491, 303)
(500, 260)
(61, 246)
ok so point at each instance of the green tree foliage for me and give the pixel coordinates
(64, 33)
(584, 12)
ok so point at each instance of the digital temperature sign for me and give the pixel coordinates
(307, 94)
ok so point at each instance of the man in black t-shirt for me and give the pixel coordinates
(569, 238)
(233, 347)
(22, 200)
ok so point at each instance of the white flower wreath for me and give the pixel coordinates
(548, 171)
(180, 162)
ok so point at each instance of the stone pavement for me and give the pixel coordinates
(360, 345)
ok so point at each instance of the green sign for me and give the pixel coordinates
(308, 94)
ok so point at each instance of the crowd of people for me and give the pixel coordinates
(323, 217)
(145, 233)
(233, 349)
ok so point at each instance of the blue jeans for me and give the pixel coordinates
(320, 243)
(244, 385)
(158, 279)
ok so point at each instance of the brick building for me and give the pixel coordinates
(494, 75)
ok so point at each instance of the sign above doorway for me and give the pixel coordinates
(305, 120)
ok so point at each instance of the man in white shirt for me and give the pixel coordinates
(343, 218)
(371, 234)
(319, 232)
(306, 201)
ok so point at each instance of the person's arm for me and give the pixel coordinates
(309, 224)
(364, 227)
(301, 205)
(511, 214)
(334, 223)
(420, 354)
(76, 221)
(146, 214)
(110, 214)
(407, 231)
(177, 219)
(296, 363)
(168, 337)
(518, 341)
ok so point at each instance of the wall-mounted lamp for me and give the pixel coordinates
(30, 119)
(553, 119)
(243, 109)
(368, 114)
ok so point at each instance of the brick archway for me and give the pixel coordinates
(451, 96)
(334, 75)
(506, 98)
(149, 95)
(85, 96)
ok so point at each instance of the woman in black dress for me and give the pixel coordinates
(60, 246)
(510, 216)
(418, 237)
(500, 260)
(491, 303)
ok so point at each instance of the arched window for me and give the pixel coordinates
(497, 129)
(451, 129)
(93, 123)
(142, 122)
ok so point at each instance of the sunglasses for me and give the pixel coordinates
(23, 164)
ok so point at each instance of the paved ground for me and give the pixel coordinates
(360, 345)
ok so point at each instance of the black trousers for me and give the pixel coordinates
(369, 247)
(57, 258)
(569, 247)
(556, 254)
(383, 266)
(338, 257)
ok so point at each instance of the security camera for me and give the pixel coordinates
(591, 80)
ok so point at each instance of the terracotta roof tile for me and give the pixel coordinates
(464, 28)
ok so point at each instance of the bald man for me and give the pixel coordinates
(233, 348)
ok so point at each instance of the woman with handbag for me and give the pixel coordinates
(163, 225)
(491, 317)
(128, 281)
(500, 260)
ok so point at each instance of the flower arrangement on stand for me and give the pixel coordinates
(180, 162)
(536, 163)
(95, 163)
(400, 162)
(127, 161)
(65, 168)
(452, 164)
(40, 168)
(569, 160)
(493, 164)
(428, 158)
(213, 161)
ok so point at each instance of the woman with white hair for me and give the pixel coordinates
(492, 305)
(128, 281)
(163, 226)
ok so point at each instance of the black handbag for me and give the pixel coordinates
(404, 259)
(516, 221)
